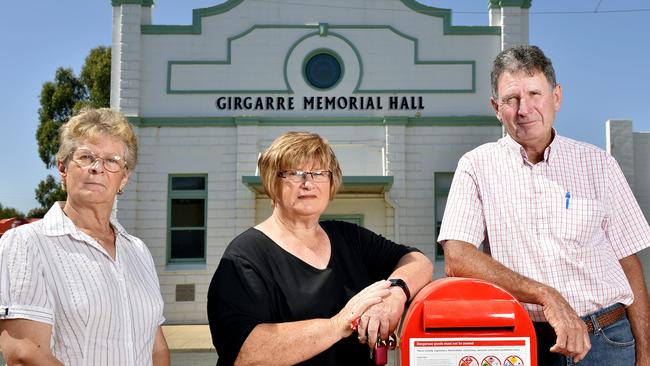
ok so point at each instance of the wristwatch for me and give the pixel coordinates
(400, 283)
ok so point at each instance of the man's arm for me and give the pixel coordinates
(26, 342)
(160, 349)
(382, 319)
(639, 312)
(465, 260)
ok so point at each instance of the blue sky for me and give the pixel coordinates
(600, 50)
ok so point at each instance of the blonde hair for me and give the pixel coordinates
(92, 124)
(292, 149)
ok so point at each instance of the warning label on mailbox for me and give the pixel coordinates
(470, 351)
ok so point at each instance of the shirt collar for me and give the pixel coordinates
(56, 223)
(516, 148)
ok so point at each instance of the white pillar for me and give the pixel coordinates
(125, 87)
(247, 155)
(126, 55)
(395, 165)
(620, 144)
(512, 17)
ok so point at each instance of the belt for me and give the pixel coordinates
(609, 316)
(602, 318)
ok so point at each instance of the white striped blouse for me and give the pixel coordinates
(102, 311)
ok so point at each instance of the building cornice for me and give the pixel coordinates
(147, 3)
(495, 4)
(199, 14)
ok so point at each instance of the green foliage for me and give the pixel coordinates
(96, 76)
(49, 191)
(59, 100)
(37, 213)
(7, 212)
(67, 94)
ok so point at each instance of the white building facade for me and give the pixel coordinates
(631, 150)
(399, 92)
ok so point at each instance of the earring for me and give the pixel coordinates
(63, 185)
(120, 191)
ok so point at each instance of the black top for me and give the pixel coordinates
(259, 282)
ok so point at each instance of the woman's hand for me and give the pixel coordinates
(357, 305)
(382, 319)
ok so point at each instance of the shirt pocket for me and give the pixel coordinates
(580, 222)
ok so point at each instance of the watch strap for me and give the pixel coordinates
(400, 283)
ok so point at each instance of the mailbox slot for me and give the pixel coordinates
(468, 314)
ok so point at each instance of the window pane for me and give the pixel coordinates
(323, 71)
(443, 181)
(440, 253)
(441, 203)
(188, 212)
(187, 244)
(188, 183)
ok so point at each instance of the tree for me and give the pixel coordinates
(7, 212)
(47, 193)
(58, 99)
(96, 77)
(61, 99)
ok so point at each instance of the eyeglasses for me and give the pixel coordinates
(85, 158)
(298, 176)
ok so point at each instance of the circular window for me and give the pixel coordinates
(323, 70)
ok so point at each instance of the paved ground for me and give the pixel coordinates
(181, 359)
(188, 338)
(190, 345)
(194, 359)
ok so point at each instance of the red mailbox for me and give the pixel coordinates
(467, 322)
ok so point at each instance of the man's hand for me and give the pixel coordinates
(572, 336)
(383, 318)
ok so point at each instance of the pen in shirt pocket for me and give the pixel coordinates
(568, 197)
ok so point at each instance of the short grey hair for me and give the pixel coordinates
(95, 123)
(524, 58)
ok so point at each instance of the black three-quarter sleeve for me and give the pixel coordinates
(235, 305)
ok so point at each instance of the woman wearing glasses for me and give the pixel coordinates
(287, 290)
(75, 287)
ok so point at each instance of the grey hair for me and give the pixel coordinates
(523, 58)
(94, 123)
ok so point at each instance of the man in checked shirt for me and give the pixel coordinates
(558, 223)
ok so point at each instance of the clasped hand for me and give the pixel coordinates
(379, 309)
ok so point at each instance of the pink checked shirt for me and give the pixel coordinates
(523, 214)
